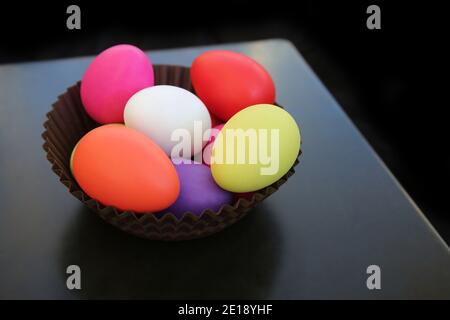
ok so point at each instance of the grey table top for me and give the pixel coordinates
(341, 212)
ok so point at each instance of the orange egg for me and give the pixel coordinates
(123, 168)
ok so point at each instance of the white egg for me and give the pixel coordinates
(174, 118)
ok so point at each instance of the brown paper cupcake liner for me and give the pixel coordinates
(68, 122)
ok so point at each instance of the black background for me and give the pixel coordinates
(391, 81)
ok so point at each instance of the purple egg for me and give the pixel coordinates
(198, 191)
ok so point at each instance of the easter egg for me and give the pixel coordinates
(228, 82)
(198, 191)
(173, 117)
(255, 148)
(208, 148)
(111, 79)
(123, 168)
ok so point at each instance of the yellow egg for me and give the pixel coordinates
(255, 148)
(71, 158)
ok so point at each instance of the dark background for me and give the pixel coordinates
(389, 81)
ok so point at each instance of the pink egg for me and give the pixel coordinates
(111, 79)
(208, 148)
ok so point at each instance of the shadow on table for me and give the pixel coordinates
(239, 262)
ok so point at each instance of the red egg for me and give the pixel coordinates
(123, 168)
(228, 82)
